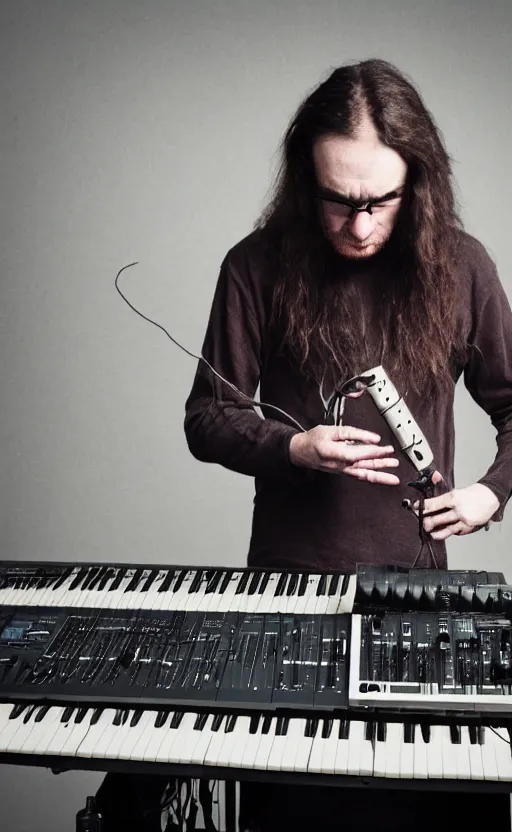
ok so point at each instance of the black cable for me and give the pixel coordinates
(247, 398)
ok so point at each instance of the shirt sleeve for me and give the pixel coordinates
(488, 372)
(220, 426)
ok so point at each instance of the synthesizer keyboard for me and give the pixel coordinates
(387, 674)
(223, 746)
(129, 587)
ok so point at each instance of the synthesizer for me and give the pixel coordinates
(383, 676)
(208, 589)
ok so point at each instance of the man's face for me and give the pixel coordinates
(358, 169)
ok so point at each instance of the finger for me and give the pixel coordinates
(357, 453)
(390, 462)
(454, 528)
(437, 503)
(379, 477)
(348, 433)
(445, 518)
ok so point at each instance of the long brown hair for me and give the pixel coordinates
(418, 334)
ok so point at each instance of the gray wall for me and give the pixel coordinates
(146, 130)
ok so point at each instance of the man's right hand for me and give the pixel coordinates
(344, 450)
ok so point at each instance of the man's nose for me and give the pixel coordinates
(362, 225)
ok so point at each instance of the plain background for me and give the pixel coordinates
(148, 130)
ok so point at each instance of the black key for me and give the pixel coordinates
(63, 577)
(253, 585)
(137, 575)
(281, 584)
(42, 713)
(217, 721)
(333, 585)
(196, 582)
(68, 713)
(135, 719)
(179, 580)
(109, 574)
(225, 582)
(167, 581)
(409, 732)
(344, 585)
(176, 719)
(370, 731)
(343, 733)
(214, 582)
(327, 728)
(382, 731)
(29, 713)
(80, 715)
(149, 580)
(322, 583)
(254, 723)
(75, 583)
(161, 718)
(118, 718)
(93, 584)
(119, 575)
(242, 583)
(200, 722)
(425, 731)
(303, 583)
(17, 711)
(96, 715)
(91, 575)
(267, 722)
(263, 585)
(292, 583)
(230, 723)
(455, 734)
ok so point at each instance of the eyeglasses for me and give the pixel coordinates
(349, 208)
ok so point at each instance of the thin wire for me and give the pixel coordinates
(499, 735)
(247, 398)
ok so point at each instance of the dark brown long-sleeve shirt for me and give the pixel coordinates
(313, 519)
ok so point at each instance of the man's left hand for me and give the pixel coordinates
(459, 512)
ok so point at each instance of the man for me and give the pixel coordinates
(359, 260)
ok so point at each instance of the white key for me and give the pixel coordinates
(391, 764)
(138, 750)
(330, 748)
(42, 731)
(463, 758)
(295, 735)
(342, 751)
(489, 760)
(420, 761)
(10, 729)
(177, 740)
(226, 599)
(62, 732)
(435, 753)
(407, 754)
(113, 736)
(303, 749)
(450, 754)
(501, 741)
(158, 735)
(356, 739)
(475, 758)
(76, 735)
(251, 746)
(89, 744)
(265, 746)
(317, 748)
(206, 737)
(134, 733)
